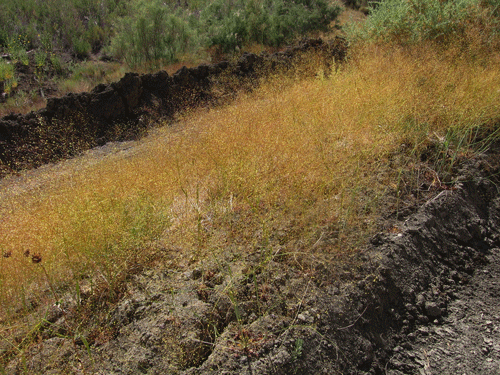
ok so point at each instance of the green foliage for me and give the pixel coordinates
(56, 63)
(40, 59)
(156, 32)
(81, 47)
(231, 24)
(6, 70)
(64, 24)
(494, 6)
(7, 79)
(40, 63)
(17, 46)
(153, 33)
(417, 20)
(4, 37)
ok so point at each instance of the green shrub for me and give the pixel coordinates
(231, 24)
(57, 24)
(56, 63)
(81, 47)
(4, 37)
(16, 47)
(158, 32)
(417, 20)
(7, 78)
(153, 33)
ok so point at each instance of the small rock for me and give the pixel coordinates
(423, 319)
(424, 331)
(305, 317)
(407, 346)
(433, 310)
(420, 300)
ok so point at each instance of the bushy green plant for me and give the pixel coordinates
(58, 23)
(231, 24)
(6, 70)
(494, 6)
(81, 47)
(7, 79)
(17, 46)
(153, 33)
(56, 63)
(419, 20)
(40, 64)
(4, 36)
(156, 31)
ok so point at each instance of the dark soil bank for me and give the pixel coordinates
(124, 109)
(420, 299)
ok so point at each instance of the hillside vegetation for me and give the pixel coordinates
(53, 39)
(155, 30)
(300, 171)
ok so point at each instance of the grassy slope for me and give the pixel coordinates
(278, 169)
(297, 154)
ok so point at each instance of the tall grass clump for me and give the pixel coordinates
(8, 80)
(86, 235)
(154, 33)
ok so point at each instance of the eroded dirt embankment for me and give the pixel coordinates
(384, 311)
(124, 109)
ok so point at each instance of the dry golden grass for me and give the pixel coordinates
(298, 157)
(22, 103)
(86, 75)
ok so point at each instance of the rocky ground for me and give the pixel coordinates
(466, 340)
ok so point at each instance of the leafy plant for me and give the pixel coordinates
(58, 24)
(156, 32)
(17, 46)
(81, 47)
(40, 63)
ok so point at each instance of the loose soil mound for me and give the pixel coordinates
(393, 308)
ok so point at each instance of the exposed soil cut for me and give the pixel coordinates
(421, 298)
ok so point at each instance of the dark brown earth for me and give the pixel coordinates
(466, 340)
